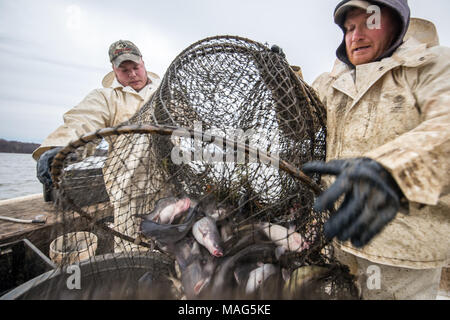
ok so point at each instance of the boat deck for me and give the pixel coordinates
(42, 234)
(27, 208)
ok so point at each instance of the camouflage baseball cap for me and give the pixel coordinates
(124, 50)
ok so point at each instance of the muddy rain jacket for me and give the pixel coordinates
(397, 112)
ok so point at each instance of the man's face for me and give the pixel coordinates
(131, 74)
(365, 45)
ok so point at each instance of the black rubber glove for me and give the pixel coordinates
(43, 166)
(278, 50)
(372, 199)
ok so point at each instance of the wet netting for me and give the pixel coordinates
(199, 195)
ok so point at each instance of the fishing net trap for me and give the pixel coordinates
(199, 195)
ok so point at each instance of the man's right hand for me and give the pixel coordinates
(372, 199)
(43, 166)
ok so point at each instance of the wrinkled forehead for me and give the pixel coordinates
(355, 13)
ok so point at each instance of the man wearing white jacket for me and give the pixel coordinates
(388, 120)
(125, 90)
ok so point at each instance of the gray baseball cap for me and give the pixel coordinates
(124, 50)
(342, 10)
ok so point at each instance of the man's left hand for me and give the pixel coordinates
(43, 166)
(371, 199)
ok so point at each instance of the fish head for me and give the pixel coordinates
(191, 278)
(170, 208)
(217, 252)
(183, 205)
(199, 286)
(212, 243)
(195, 278)
(258, 276)
(296, 242)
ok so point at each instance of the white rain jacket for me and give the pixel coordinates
(397, 112)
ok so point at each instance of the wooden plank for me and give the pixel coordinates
(25, 208)
(41, 235)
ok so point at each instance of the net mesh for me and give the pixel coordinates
(199, 194)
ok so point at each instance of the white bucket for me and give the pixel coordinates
(73, 247)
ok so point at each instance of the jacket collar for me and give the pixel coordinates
(110, 81)
(412, 53)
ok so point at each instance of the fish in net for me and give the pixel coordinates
(203, 185)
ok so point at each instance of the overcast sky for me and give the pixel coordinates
(54, 52)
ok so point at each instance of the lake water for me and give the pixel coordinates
(18, 176)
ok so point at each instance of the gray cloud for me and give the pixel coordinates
(49, 59)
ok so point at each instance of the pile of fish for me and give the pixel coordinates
(215, 261)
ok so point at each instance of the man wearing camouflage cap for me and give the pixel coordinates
(125, 90)
(388, 146)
